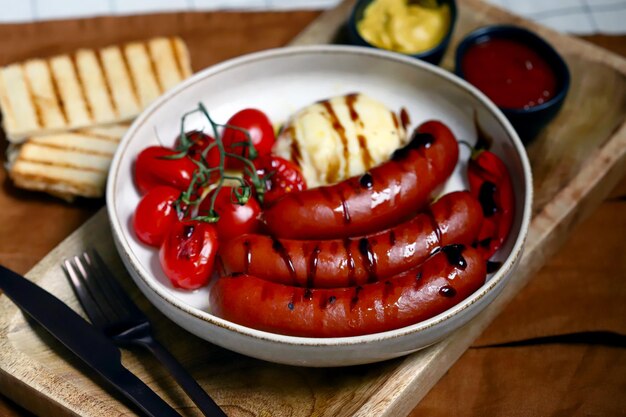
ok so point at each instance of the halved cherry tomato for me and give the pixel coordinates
(154, 167)
(234, 219)
(188, 252)
(200, 141)
(155, 214)
(258, 126)
(280, 175)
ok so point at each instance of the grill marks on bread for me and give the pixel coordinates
(67, 164)
(95, 88)
(70, 110)
(88, 87)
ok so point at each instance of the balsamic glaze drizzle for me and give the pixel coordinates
(280, 249)
(435, 225)
(366, 181)
(312, 267)
(486, 196)
(454, 254)
(341, 131)
(350, 261)
(447, 291)
(344, 209)
(493, 266)
(404, 117)
(392, 237)
(355, 298)
(188, 231)
(369, 258)
(485, 242)
(418, 141)
(418, 278)
(325, 302)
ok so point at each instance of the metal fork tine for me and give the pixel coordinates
(95, 283)
(78, 284)
(106, 310)
(112, 310)
(113, 287)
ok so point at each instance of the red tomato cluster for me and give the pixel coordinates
(177, 213)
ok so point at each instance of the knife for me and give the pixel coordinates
(84, 340)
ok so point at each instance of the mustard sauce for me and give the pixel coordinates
(404, 26)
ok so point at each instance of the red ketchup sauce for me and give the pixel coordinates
(510, 73)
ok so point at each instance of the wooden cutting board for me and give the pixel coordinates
(576, 162)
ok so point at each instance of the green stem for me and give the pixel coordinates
(185, 142)
(202, 175)
(473, 151)
(252, 152)
(259, 186)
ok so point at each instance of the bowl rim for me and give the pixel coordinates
(204, 316)
(439, 48)
(524, 36)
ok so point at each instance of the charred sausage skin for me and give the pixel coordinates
(454, 218)
(379, 199)
(443, 281)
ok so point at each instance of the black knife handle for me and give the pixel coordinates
(87, 343)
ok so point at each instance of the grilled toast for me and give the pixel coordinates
(89, 87)
(66, 164)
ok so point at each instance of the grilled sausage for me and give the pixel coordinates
(444, 280)
(379, 199)
(454, 218)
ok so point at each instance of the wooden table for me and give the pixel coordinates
(543, 377)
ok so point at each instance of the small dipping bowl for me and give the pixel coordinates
(432, 55)
(519, 71)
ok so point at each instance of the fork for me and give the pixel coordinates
(111, 310)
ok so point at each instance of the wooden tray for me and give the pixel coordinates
(576, 162)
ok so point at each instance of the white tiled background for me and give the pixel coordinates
(573, 16)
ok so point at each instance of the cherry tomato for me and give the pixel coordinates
(155, 214)
(235, 219)
(280, 175)
(187, 254)
(200, 141)
(153, 168)
(258, 126)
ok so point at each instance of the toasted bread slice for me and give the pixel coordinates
(88, 88)
(67, 164)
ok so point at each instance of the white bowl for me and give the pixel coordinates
(280, 82)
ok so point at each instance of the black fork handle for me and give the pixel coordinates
(205, 404)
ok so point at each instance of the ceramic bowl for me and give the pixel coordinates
(432, 55)
(280, 82)
(527, 122)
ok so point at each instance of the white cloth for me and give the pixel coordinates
(571, 16)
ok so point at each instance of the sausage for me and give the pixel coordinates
(454, 218)
(441, 282)
(381, 198)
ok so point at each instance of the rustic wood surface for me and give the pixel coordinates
(392, 388)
